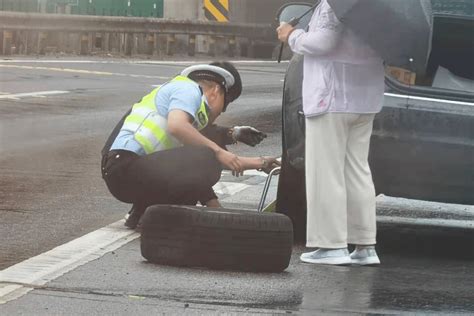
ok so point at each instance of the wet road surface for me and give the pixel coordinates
(121, 283)
(51, 192)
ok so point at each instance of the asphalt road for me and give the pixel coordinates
(51, 191)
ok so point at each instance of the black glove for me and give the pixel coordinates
(248, 135)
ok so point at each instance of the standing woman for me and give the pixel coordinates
(343, 89)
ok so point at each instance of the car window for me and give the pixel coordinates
(450, 66)
(296, 10)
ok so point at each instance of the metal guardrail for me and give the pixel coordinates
(96, 31)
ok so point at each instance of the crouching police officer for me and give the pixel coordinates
(166, 149)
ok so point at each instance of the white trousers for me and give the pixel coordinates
(339, 187)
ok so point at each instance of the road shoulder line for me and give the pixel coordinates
(22, 277)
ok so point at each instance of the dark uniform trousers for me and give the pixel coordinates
(183, 176)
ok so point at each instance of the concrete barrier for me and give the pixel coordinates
(40, 33)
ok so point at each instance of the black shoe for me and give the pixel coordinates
(133, 218)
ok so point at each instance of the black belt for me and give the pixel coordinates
(116, 154)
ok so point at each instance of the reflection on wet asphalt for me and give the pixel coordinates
(396, 285)
(401, 284)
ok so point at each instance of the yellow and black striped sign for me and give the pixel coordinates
(217, 10)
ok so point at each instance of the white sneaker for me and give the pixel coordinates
(365, 256)
(327, 256)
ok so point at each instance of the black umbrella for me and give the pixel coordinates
(399, 30)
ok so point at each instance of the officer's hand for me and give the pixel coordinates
(230, 161)
(248, 135)
(270, 163)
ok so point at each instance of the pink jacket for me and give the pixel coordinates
(341, 73)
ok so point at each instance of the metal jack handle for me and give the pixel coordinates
(266, 187)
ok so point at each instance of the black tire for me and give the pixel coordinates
(216, 238)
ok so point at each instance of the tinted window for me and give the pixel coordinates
(295, 11)
(451, 65)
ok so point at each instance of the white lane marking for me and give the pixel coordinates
(248, 173)
(230, 188)
(427, 99)
(10, 292)
(81, 71)
(17, 96)
(22, 277)
(58, 61)
(7, 289)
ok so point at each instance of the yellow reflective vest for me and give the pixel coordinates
(150, 128)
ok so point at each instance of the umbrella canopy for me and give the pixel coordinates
(399, 30)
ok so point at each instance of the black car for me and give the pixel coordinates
(423, 140)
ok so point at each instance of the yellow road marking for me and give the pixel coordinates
(82, 71)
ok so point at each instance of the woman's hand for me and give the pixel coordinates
(266, 164)
(284, 31)
(269, 163)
